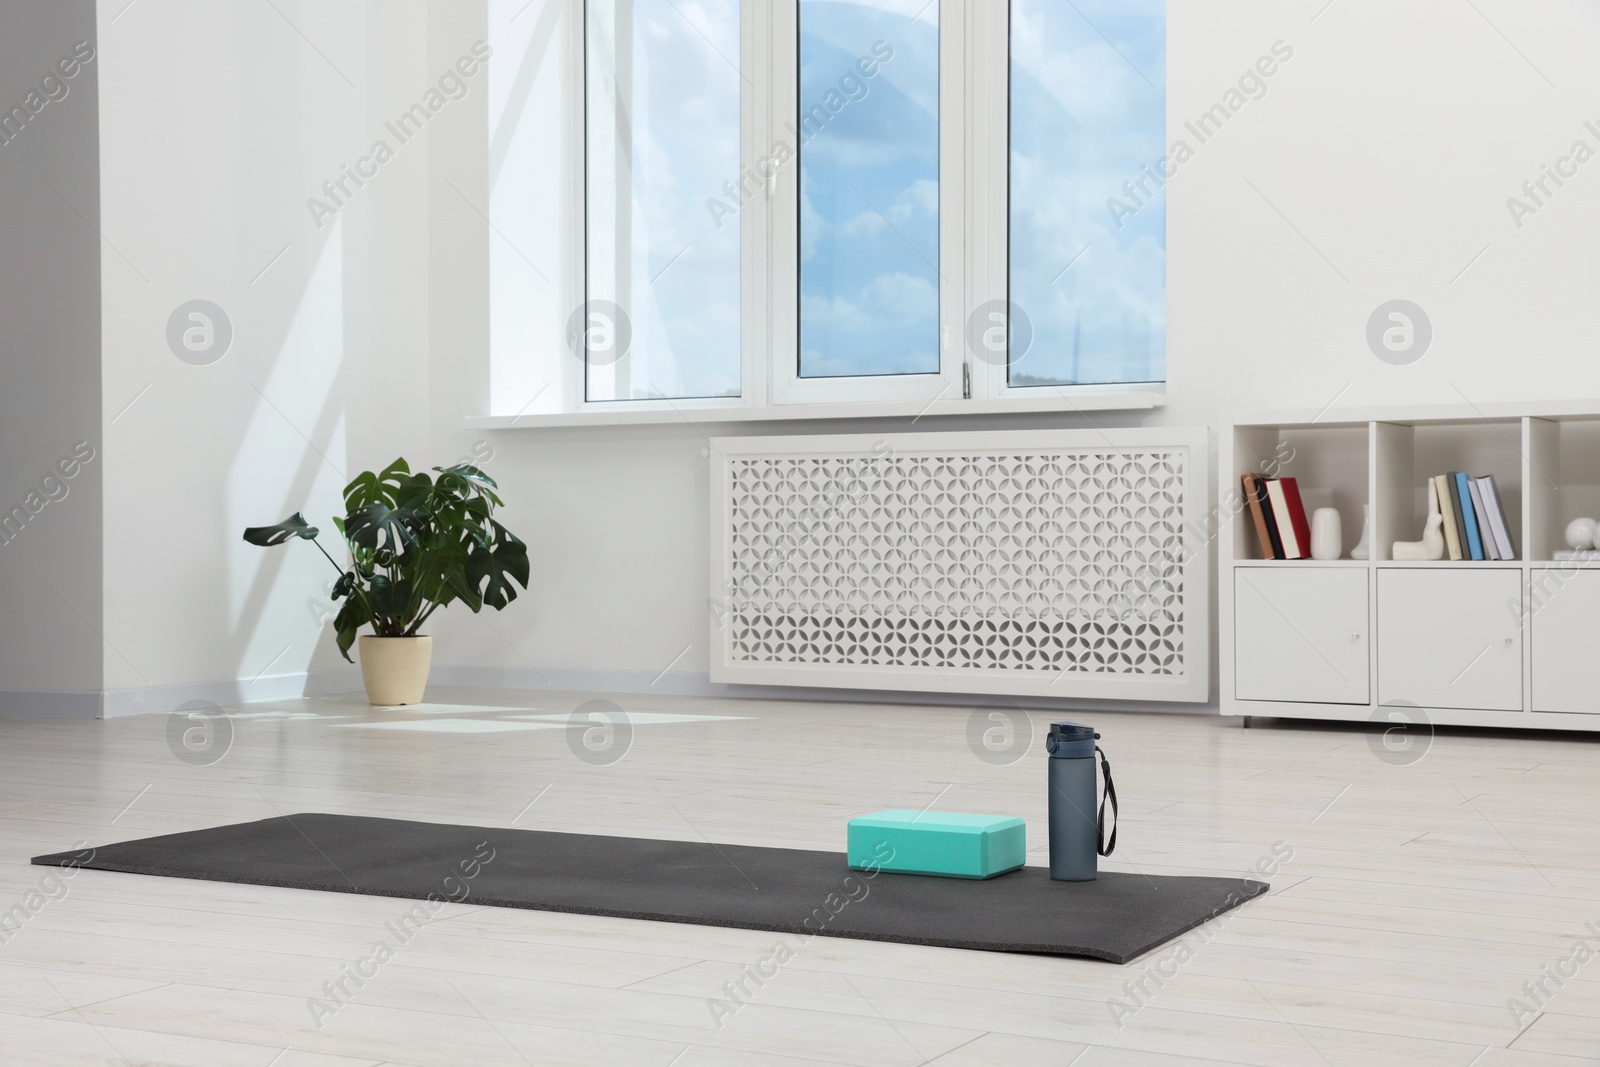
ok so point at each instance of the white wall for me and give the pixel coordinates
(219, 121)
(1377, 166)
(50, 566)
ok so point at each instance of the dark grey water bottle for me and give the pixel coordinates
(1074, 827)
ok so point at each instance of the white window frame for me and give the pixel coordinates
(988, 118)
(974, 231)
(788, 387)
(754, 254)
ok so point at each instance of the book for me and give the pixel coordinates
(1262, 498)
(1258, 515)
(1452, 533)
(1584, 555)
(1485, 534)
(1293, 530)
(1297, 515)
(1497, 516)
(1469, 518)
(1461, 524)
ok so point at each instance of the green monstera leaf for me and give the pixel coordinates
(389, 597)
(381, 488)
(378, 526)
(465, 480)
(444, 580)
(488, 569)
(294, 526)
(350, 619)
(414, 493)
(345, 586)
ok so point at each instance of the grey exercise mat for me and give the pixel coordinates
(1118, 917)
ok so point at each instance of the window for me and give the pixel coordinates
(661, 319)
(1088, 214)
(791, 202)
(869, 189)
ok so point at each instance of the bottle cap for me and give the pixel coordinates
(1070, 740)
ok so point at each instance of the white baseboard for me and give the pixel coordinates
(698, 683)
(144, 700)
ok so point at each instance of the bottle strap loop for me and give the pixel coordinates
(1104, 846)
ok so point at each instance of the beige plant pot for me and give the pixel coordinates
(395, 669)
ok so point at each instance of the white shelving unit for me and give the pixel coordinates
(1491, 643)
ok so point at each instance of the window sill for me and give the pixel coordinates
(656, 412)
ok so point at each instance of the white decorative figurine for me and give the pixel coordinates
(1363, 549)
(1581, 534)
(1432, 544)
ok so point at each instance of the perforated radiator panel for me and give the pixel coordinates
(1052, 563)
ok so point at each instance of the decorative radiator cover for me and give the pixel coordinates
(1063, 563)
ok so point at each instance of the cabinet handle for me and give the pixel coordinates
(1355, 637)
(1510, 640)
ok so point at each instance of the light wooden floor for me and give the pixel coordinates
(1418, 900)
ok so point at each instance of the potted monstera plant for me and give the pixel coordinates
(415, 543)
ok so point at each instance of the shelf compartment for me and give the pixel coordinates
(1564, 480)
(1407, 454)
(1328, 462)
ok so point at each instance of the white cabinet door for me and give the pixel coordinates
(1566, 640)
(1450, 638)
(1300, 634)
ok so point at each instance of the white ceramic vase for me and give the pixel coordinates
(395, 669)
(1327, 534)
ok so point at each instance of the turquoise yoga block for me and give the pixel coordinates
(938, 843)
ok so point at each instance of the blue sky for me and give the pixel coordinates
(682, 291)
(1088, 100)
(869, 210)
